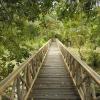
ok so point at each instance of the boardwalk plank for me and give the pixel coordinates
(54, 81)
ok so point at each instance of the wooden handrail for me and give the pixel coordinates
(15, 84)
(84, 77)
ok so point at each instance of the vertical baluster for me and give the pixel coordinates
(28, 77)
(13, 90)
(25, 77)
(40, 57)
(75, 72)
(68, 60)
(73, 68)
(88, 90)
(33, 66)
(37, 64)
(83, 73)
(38, 61)
(23, 88)
(71, 64)
(31, 69)
(18, 89)
(66, 56)
(81, 83)
(78, 74)
(0, 97)
(93, 90)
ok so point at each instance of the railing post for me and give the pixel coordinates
(13, 90)
(0, 97)
(28, 76)
(88, 94)
(18, 89)
(84, 77)
(93, 91)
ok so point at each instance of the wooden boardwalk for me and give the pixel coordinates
(49, 75)
(54, 81)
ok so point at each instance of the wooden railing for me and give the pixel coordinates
(18, 85)
(85, 79)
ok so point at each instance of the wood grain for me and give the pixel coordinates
(54, 81)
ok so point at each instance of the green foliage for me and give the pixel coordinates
(93, 59)
(25, 25)
(81, 19)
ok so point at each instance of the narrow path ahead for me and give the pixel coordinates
(54, 81)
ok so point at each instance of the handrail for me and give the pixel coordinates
(18, 83)
(84, 77)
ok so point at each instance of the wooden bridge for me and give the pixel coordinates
(53, 73)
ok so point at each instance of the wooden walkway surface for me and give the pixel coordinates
(54, 81)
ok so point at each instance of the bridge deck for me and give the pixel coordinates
(54, 81)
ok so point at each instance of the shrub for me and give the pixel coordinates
(93, 59)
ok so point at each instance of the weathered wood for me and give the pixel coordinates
(54, 81)
(84, 78)
(18, 85)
